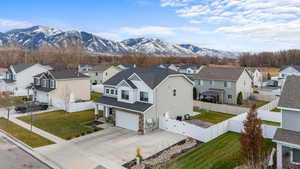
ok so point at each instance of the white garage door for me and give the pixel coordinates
(42, 97)
(127, 120)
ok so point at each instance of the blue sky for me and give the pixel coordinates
(235, 25)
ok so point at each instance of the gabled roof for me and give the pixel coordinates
(287, 136)
(152, 76)
(62, 74)
(191, 66)
(290, 95)
(297, 67)
(100, 67)
(219, 73)
(20, 67)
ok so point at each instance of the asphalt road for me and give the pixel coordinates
(12, 157)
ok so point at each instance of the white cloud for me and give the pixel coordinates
(261, 20)
(175, 3)
(6, 24)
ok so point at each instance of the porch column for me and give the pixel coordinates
(96, 112)
(279, 156)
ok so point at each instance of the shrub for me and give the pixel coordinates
(89, 132)
(240, 98)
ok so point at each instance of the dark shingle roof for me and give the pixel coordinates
(100, 67)
(131, 84)
(152, 76)
(137, 106)
(192, 66)
(63, 74)
(297, 67)
(219, 73)
(290, 95)
(288, 136)
(20, 67)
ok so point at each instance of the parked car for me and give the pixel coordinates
(31, 106)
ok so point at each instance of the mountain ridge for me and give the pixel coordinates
(36, 36)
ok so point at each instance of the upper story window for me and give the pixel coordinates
(201, 82)
(107, 91)
(52, 84)
(125, 94)
(112, 91)
(144, 96)
(174, 92)
(211, 82)
(44, 83)
(96, 73)
(37, 81)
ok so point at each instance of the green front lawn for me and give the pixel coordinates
(95, 95)
(271, 123)
(212, 116)
(220, 153)
(276, 110)
(63, 124)
(259, 103)
(23, 134)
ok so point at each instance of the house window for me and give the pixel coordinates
(211, 82)
(96, 73)
(174, 92)
(295, 156)
(107, 91)
(116, 92)
(144, 96)
(229, 96)
(125, 94)
(44, 83)
(201, 82)
(112, 91)
(52, 84)
(225, 84)
(36, 81)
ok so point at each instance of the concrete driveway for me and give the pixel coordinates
(110, 148)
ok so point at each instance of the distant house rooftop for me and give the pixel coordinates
(64, 74)
(297, 67)
(219, 73)
(100, 67)
(20, 67)
(191, 66)
(290, 95)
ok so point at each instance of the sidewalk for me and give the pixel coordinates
(37, 130)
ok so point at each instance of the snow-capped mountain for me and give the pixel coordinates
(34, 37)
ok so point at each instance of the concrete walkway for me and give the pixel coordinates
(37, 130)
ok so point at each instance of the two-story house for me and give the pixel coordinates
(18, 77)
(256, 76)
(85, 68)
(136, 98)
(97, 74)
(190, 68)
(288, 136)
(222, 85)
(60, 87)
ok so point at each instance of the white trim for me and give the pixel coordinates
(291, 109)
(287, 144)
(135, 75)
(125, 108)
(125, 82)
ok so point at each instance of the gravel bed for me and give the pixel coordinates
(165, 155)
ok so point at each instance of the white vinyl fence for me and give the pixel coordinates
(74, 106)
(97, 88)
(273, 104)
(234, 124)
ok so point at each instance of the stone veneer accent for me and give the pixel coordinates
(141, 118)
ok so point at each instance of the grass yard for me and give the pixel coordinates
(271, 123)
(26, 136)
(259, 103)
(220, 153)
(212, 116)
(63, 124)
(276, 110)
(95, 95)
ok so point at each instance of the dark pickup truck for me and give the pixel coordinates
(30, 107)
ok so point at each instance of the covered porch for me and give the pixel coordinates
(212, 96)
(288, 148)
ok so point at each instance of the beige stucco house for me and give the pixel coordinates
(59, 87)
(136, 98)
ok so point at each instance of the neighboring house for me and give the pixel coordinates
(222, 85)
(97, 74)
(190, 68)
(85, 68)
(256, 76)
(59, 87)
(168, 66)
(286, 71)
(288, 137)
(136, 98)
(18, 77)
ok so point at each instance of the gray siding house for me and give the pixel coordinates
(288, 137)
(96, 74)
(136, 98)
(222, 85)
